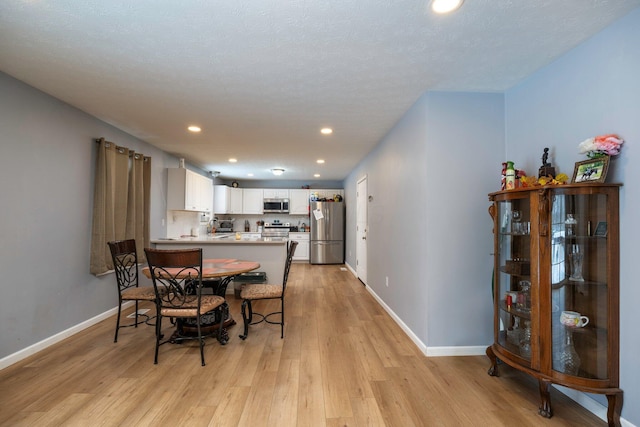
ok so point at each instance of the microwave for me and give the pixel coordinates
(276, 206)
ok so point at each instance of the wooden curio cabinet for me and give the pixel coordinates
(556, 288)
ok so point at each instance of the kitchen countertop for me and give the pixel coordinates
(270, 253)
(222, 238)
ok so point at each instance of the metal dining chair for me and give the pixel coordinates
(125, 265)
(257, 292)
(177, 279)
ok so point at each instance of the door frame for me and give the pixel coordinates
(362, 228)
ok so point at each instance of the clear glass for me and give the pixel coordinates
(570, 225)
(579, 284)
(513, 279)
(576, 257)
(525, 340)
(567, 359)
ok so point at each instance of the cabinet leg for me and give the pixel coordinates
(614, 409)
(493, 369)
(545, 399)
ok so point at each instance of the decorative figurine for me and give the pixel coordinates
(546, 169)
(519, 175)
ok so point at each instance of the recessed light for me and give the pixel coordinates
(326, 131)
(249, 174)
(445, 6)
(277, 171)
(232, 160)
(194, 129)
(316, 175)
(320, 161)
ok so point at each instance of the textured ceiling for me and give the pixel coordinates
(261, 77)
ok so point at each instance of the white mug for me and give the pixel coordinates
(573, 319)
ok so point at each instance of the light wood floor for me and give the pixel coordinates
(343, 362)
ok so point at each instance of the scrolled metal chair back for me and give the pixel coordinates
(125, 263)
(176, 276)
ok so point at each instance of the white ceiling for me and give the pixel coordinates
(261, 77)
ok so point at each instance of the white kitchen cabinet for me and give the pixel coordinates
(206, 192)
(276, 193)
(299, 202)
(221, 199)
(227, 200)
(302, 250)
(188, 191)
(252, 201)
(235, 205)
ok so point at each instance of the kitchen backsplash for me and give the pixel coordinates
(180, 223)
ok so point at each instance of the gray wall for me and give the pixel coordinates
(429, 230)
(592, 90)
(428, 226)
(47, 158)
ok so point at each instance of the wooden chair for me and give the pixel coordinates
(251, 293)
(177, 279)
(125, 264)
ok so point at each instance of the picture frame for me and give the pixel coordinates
(591, 170)
(601, 229)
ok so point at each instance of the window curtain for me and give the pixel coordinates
(120, 202)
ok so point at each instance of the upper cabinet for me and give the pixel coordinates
(236, 201)
(252, 200)
(189, 191)
(276, 193)
(299, 202)
(227, 200)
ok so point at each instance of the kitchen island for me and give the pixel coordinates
(271, 253)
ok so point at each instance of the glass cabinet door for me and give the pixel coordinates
(579, 291)
(513, 280)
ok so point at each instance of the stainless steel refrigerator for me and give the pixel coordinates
(327, 233)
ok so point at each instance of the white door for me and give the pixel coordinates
(361, 230)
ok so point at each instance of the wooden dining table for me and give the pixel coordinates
(217, 273)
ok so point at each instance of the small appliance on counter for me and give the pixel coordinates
(225, 226)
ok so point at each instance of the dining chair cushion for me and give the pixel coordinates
(252, 292)
(208, 303)
(139, 293)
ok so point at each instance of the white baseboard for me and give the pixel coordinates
(596, 408)
(456, 351)
(351, 270)
(399, 321)
(39, 346)
(429, 351)
(580, 398)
